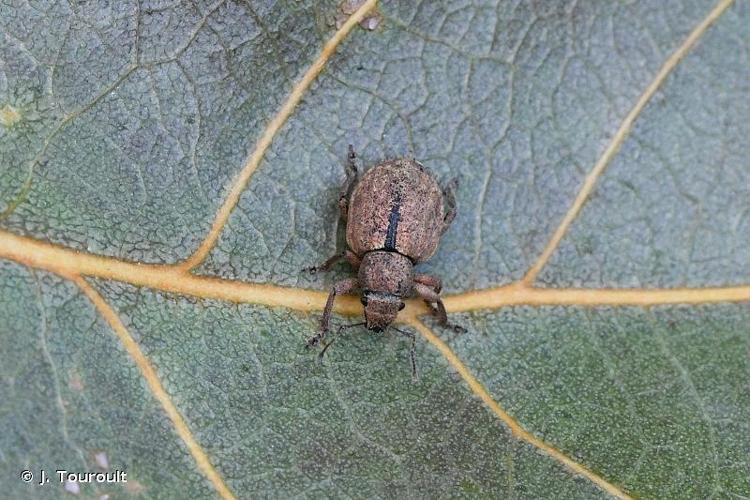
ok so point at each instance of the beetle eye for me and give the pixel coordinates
(363, 300)
(401, 307)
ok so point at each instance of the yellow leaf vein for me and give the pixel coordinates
(614, 145)
(515, 428)
(157, 389)
(264, 142)
(173, 279)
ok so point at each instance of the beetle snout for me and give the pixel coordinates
(375, 321)
(380, 310)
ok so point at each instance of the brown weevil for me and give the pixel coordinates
(395, 215)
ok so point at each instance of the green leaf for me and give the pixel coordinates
(127, 128)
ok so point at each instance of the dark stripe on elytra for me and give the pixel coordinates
(393, 218)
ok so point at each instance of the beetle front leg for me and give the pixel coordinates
(431, 296)
(341, 288)
(351, 180)
(347, 255)
(449, 192)
(429, 280)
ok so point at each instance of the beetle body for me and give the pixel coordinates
(396, 207)
(395, 216)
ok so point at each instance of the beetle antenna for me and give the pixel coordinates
(412, 351)
(338, 331)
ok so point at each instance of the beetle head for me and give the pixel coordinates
(386, 278)
(381, 309)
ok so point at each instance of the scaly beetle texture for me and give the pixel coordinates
(395, 215)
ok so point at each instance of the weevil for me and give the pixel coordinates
(395, 216)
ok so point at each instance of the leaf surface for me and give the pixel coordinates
(208, 140)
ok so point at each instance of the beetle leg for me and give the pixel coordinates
(449, 191)
(351, 180)
(350, 257)
(429, 280)
(432, 297)
(341, 288)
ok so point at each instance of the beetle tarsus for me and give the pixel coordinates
(457, 328)
(438, 310)
(315, 339)
(347, 255)
(325, 266)
(351, 158)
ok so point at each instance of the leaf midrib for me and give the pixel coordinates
(174, 278)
